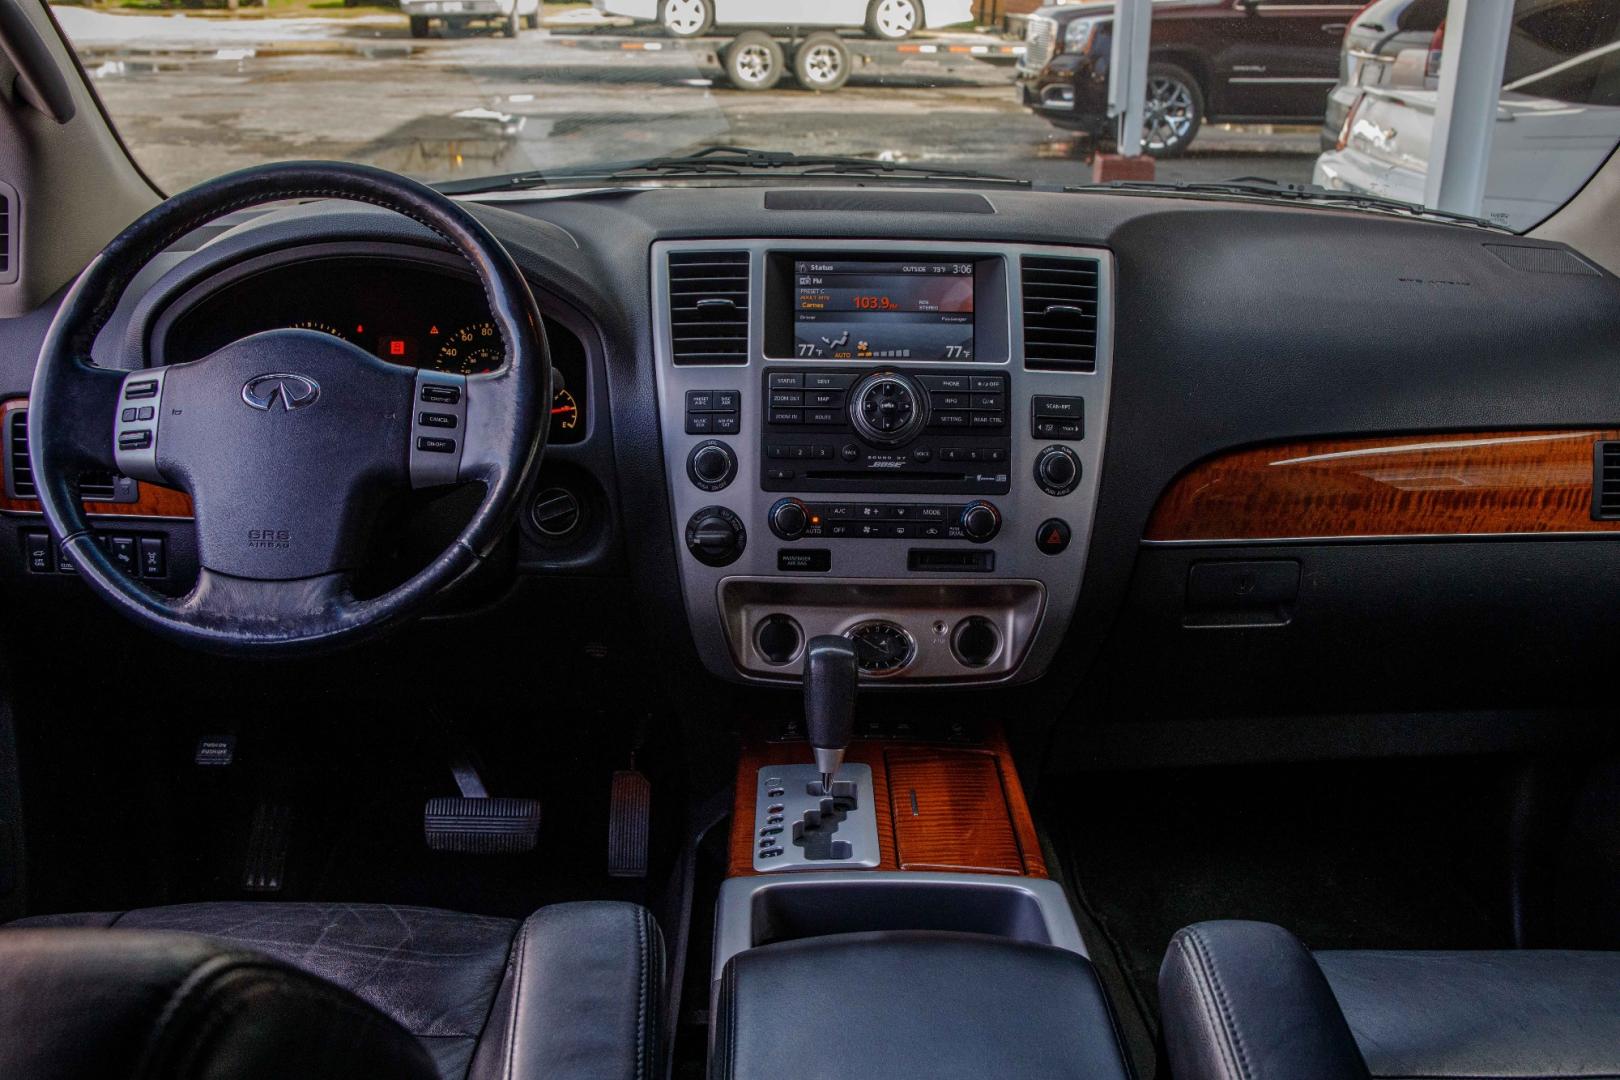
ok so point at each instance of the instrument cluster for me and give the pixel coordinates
(404, 313)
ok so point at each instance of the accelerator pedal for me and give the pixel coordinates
(629, 822)
(476, 824)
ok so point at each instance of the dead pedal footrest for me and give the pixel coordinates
(487, 826)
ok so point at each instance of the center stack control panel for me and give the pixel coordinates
(897, 442)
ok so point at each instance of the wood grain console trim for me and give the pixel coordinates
(152, 500)
(1422, 485)
(943, 807)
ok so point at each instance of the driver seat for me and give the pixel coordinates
(573, 992)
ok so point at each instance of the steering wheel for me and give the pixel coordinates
(288, 441)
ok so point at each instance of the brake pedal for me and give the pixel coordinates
(629, 822)
(473, 823)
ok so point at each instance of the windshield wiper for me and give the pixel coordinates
(1259, 187)
(718, 161)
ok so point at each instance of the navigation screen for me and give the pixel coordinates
(863, 310)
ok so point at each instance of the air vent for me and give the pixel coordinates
(708, 307)
(94, 487)
(1060, 313)
(10, 225)
(1606, 481)
(882, 202)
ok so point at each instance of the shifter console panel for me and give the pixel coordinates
(800, 826)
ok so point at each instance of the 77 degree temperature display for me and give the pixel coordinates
(894, 310)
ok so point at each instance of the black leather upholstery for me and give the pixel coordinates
(572, 992)
(76, 1004)
(884, 1006)
(1245, 1000)
(1487, 1014)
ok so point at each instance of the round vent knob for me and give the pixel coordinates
(715, 536)
(888, 409)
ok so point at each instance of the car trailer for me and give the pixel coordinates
(818, 60)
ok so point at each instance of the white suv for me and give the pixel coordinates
(887, 19)
(457, 13)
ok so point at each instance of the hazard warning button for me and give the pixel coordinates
(1053, 536)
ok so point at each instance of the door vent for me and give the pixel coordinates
(1060, 313)
(10, 225)
(93, 487)
(1606, 481)
(708, 307)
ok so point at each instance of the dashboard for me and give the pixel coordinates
(413, 315)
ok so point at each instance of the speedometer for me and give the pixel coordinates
(471, 350)
(322, 327)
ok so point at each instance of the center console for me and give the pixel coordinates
(899, 443)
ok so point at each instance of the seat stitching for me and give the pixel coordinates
(642, 1067)
(517, 993)
(1206, 1001)
(1236, 1055)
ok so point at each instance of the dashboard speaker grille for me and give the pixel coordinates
(708, 307)
(1060, 313)
(1606, 481)
(95, 487)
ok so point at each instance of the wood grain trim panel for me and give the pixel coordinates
(977, 783)
(1422, 485)
(152, 500)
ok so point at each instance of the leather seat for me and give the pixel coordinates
(1247, 1000)
(574, 991)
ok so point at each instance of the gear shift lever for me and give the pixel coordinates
(830, 675)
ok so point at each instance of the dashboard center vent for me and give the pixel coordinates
(1060, 313)
(708, 307)
(1606, 481)
(93, 487)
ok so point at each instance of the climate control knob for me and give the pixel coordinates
(715, 536)
(789, 519)
(980, 521)
(1057, 470)
(711, 465)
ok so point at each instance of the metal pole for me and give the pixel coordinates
(1127, 71)
(1474, 52)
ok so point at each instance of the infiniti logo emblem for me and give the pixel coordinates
(293, 391)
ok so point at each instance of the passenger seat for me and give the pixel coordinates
(1247, 1001)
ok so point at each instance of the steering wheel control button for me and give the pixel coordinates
(1054, 417)
(135, 431)
(436, 457)
(1052, 538)
(1057, 470)
(715, 536)
(154, 561)
(711, 465)
(980, 521)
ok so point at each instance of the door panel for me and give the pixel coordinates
(1282, 58)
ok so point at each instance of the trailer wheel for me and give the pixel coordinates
(822, 62)
(686, 18)
(753, 61)
(419, 26)
(892, 20)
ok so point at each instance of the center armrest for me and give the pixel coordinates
(875, 1006)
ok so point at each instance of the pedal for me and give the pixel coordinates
(481, 826)
(268, 839)
(629, 822)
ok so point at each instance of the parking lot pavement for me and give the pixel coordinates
(196, 100)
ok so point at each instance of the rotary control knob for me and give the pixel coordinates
(715, 536)
(711, 465)
(1057, 470)
(789, 518)
(980, 521)
(888, 409)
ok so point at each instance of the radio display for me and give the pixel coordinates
(859, 309)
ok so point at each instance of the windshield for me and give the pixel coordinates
(1337, 103)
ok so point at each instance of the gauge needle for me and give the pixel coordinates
(562, 409)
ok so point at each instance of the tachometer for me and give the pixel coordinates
(565, 415)
(323, 327)
(471, 350)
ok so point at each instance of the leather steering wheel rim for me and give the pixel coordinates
(74, 409)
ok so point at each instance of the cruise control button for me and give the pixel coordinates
(436, 419)
(441, 395)
(434, 444)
